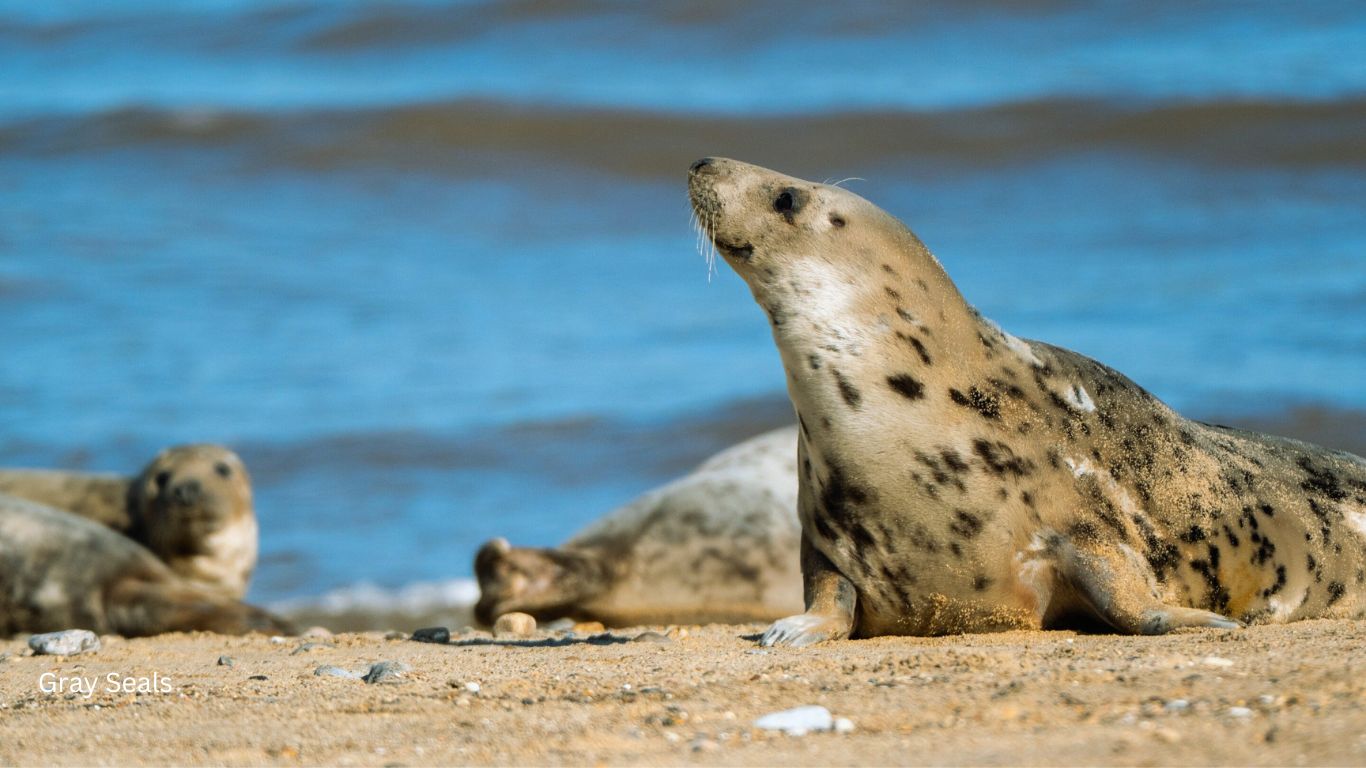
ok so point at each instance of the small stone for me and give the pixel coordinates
(472, 687)
(386, 672)
(258, 677)
(67, 643)
(277, 640)
(225, 661)
(1239, 712)
(438, 635)
(306, 647)
(318, 632)
(514, 625)
(395, 635)
(703, 745)
(798, 721)
(1218, 662)
(1177, 705)
(1166, 736)
(559, 625)
(844, 725)
(589, 627)
(651, 637)
(327, 670)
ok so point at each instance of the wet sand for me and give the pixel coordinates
(1281, 695)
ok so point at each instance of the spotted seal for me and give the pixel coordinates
(191, 506)
(717, 545)
(61, 571)
(955, 478)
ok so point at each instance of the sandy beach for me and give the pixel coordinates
(1279, 695)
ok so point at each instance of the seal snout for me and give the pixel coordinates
(703, 165)
(187, 493)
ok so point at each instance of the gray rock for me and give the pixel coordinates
(306, 647)
(65, 643)
(225, 661)
(651, 637)
(386, 672)
(439, 635)
(798, 721)
(327, 670)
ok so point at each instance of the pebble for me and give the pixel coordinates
(844, 725)
(438, 635)
(322, 632)
(798, 721)
(395, 635)
(277, 640)
(225, 661)
(66, 643)
(1239, 712)
(1217, 661)
(258, 677)
(472, 687)
(306, 647)
(514, 625)
(704, 745)
(589, 627)
(327, 670)
(651, 637)
(386, 672)
(559, 625)
(1177, 705)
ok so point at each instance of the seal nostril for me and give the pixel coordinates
(700, 164)
(784, 202)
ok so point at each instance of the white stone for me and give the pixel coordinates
(798, 721)
(65, 643)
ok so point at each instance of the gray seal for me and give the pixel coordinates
(59, 571)
(955, 478)
(717, 545)
(191, 506)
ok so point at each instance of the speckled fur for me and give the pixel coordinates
(60, 571)
(962, 479)
(718, 545)
(191, 506)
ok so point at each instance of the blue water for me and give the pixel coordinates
(428, 266)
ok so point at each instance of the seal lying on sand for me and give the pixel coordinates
(191, 506)
(59, 571)
(717, 545)
(955, 478)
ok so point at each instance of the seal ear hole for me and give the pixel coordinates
(784, 202)
(836, 221)
(222, 469)
(161, 479)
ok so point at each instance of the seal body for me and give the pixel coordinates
(955, 478)
(717, 545)
(60, 571)
(191, 506)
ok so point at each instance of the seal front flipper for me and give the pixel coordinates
(1119, 589)
(546, 583)
(830, 604)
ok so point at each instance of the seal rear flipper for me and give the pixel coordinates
(138, 607)
(1118, 587)
(830, 604)
(546, 583)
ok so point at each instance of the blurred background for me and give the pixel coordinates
(428, 266)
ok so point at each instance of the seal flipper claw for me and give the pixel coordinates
(830, 603)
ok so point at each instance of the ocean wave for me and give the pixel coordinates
(472, 137)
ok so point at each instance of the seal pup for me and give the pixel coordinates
(191, 506)
(955, 478)
(60, 571)
(717, 545)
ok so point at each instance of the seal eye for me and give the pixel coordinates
(784, 202)
(162, 479)
(222, 469)
(836, 220)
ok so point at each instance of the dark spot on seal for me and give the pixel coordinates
(850, 394)
(965, 524)
(904, 315)
(1193, 534)
(892, 292)
(980, 583)
(814, 361)
(1000, 460)
(1320, 481)
(1216, 596)
(888, 269)
(1278, 586)
(989, 405)
(953, 461)
(1335, 591)
(917, 345)
(838, 495)
(907, 386)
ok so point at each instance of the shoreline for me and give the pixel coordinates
(1263, 695)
